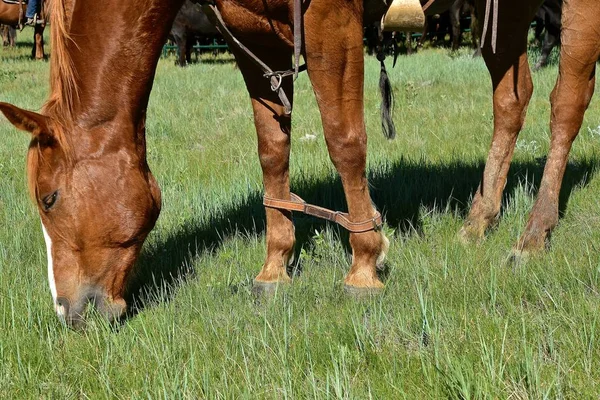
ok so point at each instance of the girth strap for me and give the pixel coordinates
(297, 204)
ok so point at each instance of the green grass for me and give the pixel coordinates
(454, 321)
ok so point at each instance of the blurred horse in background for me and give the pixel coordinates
(190, 24)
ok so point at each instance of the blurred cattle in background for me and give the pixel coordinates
(190, 25)
(9, 35)
(548, 22)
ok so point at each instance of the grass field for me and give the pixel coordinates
(453, 322)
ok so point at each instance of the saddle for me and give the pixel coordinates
(17, 2)
(405, 16)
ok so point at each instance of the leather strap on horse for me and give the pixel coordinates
(275, 77)
(428, 4)
(494, 11)
(297, 204)
(297, 35)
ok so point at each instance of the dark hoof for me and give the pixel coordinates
(266, 288)
(362, 292)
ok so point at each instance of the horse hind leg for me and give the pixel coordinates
(570, 98)
(335, 62)
(513, 87)
(273, 128)
(38, 43)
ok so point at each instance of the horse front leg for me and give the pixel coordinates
(273, 128)
(335, 62)
(570, 98)
(513, 87)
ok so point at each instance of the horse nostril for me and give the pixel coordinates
(62, 307)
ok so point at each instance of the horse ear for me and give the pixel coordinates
(29, 121)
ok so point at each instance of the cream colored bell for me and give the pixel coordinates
(404, 16)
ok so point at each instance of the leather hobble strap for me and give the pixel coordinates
(297, 204)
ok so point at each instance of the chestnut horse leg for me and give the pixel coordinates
(273, 128)
(513, 87)
(570, 98)
(335, 61)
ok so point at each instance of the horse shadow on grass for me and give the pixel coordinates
(401, 190)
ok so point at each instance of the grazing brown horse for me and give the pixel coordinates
(87, 160)
(10, 14)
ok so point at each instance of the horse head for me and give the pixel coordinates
(97, 204)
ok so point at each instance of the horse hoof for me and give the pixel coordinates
(266, 288)
(362, 292)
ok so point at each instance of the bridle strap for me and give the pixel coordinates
(297, 204)
(428, 4)
(275, 77)
(494, 11)
(297, 35)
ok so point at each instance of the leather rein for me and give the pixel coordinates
(276, 78)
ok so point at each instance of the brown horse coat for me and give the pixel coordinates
(87, 160)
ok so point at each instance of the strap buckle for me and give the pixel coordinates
(275, 84)
(377, 225)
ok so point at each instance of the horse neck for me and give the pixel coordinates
(114, 49)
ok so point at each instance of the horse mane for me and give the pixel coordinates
(63, 82)
(63, 91)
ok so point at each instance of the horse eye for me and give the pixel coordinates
(48, 201)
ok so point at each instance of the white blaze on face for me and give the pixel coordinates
(59, 310)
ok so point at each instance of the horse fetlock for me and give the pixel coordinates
(472, 231)
(536, 237)
(368, 244)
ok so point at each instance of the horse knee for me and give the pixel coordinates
(347, 147)
(274, 155)
(511, 104)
